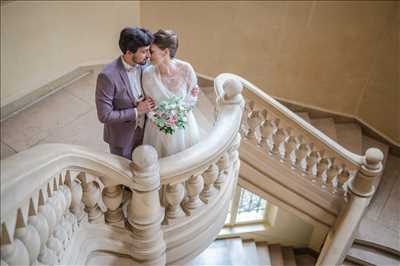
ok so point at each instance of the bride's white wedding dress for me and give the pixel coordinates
(159, 89)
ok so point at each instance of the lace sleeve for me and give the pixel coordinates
(193, 87)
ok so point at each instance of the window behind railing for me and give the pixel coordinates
(246, 208)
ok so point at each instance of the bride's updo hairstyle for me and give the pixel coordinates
(167, 39)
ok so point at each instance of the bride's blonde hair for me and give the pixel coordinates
(167, 39)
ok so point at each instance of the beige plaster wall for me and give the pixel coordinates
(380, 99)
(288, 230)
(319, 53)
(43, 40)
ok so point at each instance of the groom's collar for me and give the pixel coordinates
(127, 66)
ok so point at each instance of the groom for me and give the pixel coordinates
(120, 103)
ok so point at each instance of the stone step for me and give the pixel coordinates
(109, 259)
(349, 135)
(263, 253)
(288, 256)
(380, 225)
(305, 260)
(222, 252)
(366, 255)
(276, 255)
(326, 125)
(250, 251)
(349, 263)
(305, 116)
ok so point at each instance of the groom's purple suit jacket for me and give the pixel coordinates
(116, 105)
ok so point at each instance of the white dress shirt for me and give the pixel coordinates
(133, 73)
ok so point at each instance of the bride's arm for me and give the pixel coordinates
(193, 87)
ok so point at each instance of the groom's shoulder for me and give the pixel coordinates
(110, 68)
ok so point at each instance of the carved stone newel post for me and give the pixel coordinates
(145, 213)
(362, 184)
(362, 188)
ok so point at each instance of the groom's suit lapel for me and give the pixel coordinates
(125, 79)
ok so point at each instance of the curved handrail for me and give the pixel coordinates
(201, 154)
(52, 158)
(41, 162)
(222, 135)
(343, 152)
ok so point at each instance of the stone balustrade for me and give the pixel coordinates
(61, 203)
(282, 135)
(291, 144)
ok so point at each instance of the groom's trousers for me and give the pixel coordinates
(127, 151)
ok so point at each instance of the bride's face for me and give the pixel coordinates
(157, 55)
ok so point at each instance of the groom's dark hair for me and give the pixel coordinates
(131, 39)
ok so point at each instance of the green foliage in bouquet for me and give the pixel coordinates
(170, 115)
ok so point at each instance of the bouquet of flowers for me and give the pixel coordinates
(170, 115)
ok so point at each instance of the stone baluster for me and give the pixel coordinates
(223, 166)
(112, 198)
(301, 152)
(248, 112)
(210, 176)
(322, 169)
(39, 221)
(76, 197)
(47, 211)
(13, 251)
(29, 236)
(59, 204)
(68, 222)
(54, 246)
(286, 148)
(341, 236)
(253, 120)
(174, 196)
(266, 130)
(234, 150)
(144, 210)
(312, 164)
(91, 197)
(304, 162)
(262, 119)
(343, 179)
(194, 186)
(333, 173)
(274, 142)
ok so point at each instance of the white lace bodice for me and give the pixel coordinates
(183, 84)
(160, 87)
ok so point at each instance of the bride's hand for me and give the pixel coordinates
(195, 91)
(151, 100)
(145, 106)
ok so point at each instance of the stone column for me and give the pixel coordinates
(362, 188)
(145, 213)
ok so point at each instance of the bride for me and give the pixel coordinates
(165, 78)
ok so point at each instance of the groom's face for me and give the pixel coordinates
(141, 56)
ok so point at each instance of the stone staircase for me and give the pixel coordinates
(235, 251)
(375, 243)
(378, 238)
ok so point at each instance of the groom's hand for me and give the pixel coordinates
(145, 106)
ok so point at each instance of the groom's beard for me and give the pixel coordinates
(143, 62)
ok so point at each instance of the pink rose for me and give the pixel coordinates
(172, 120)
(195, 91)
